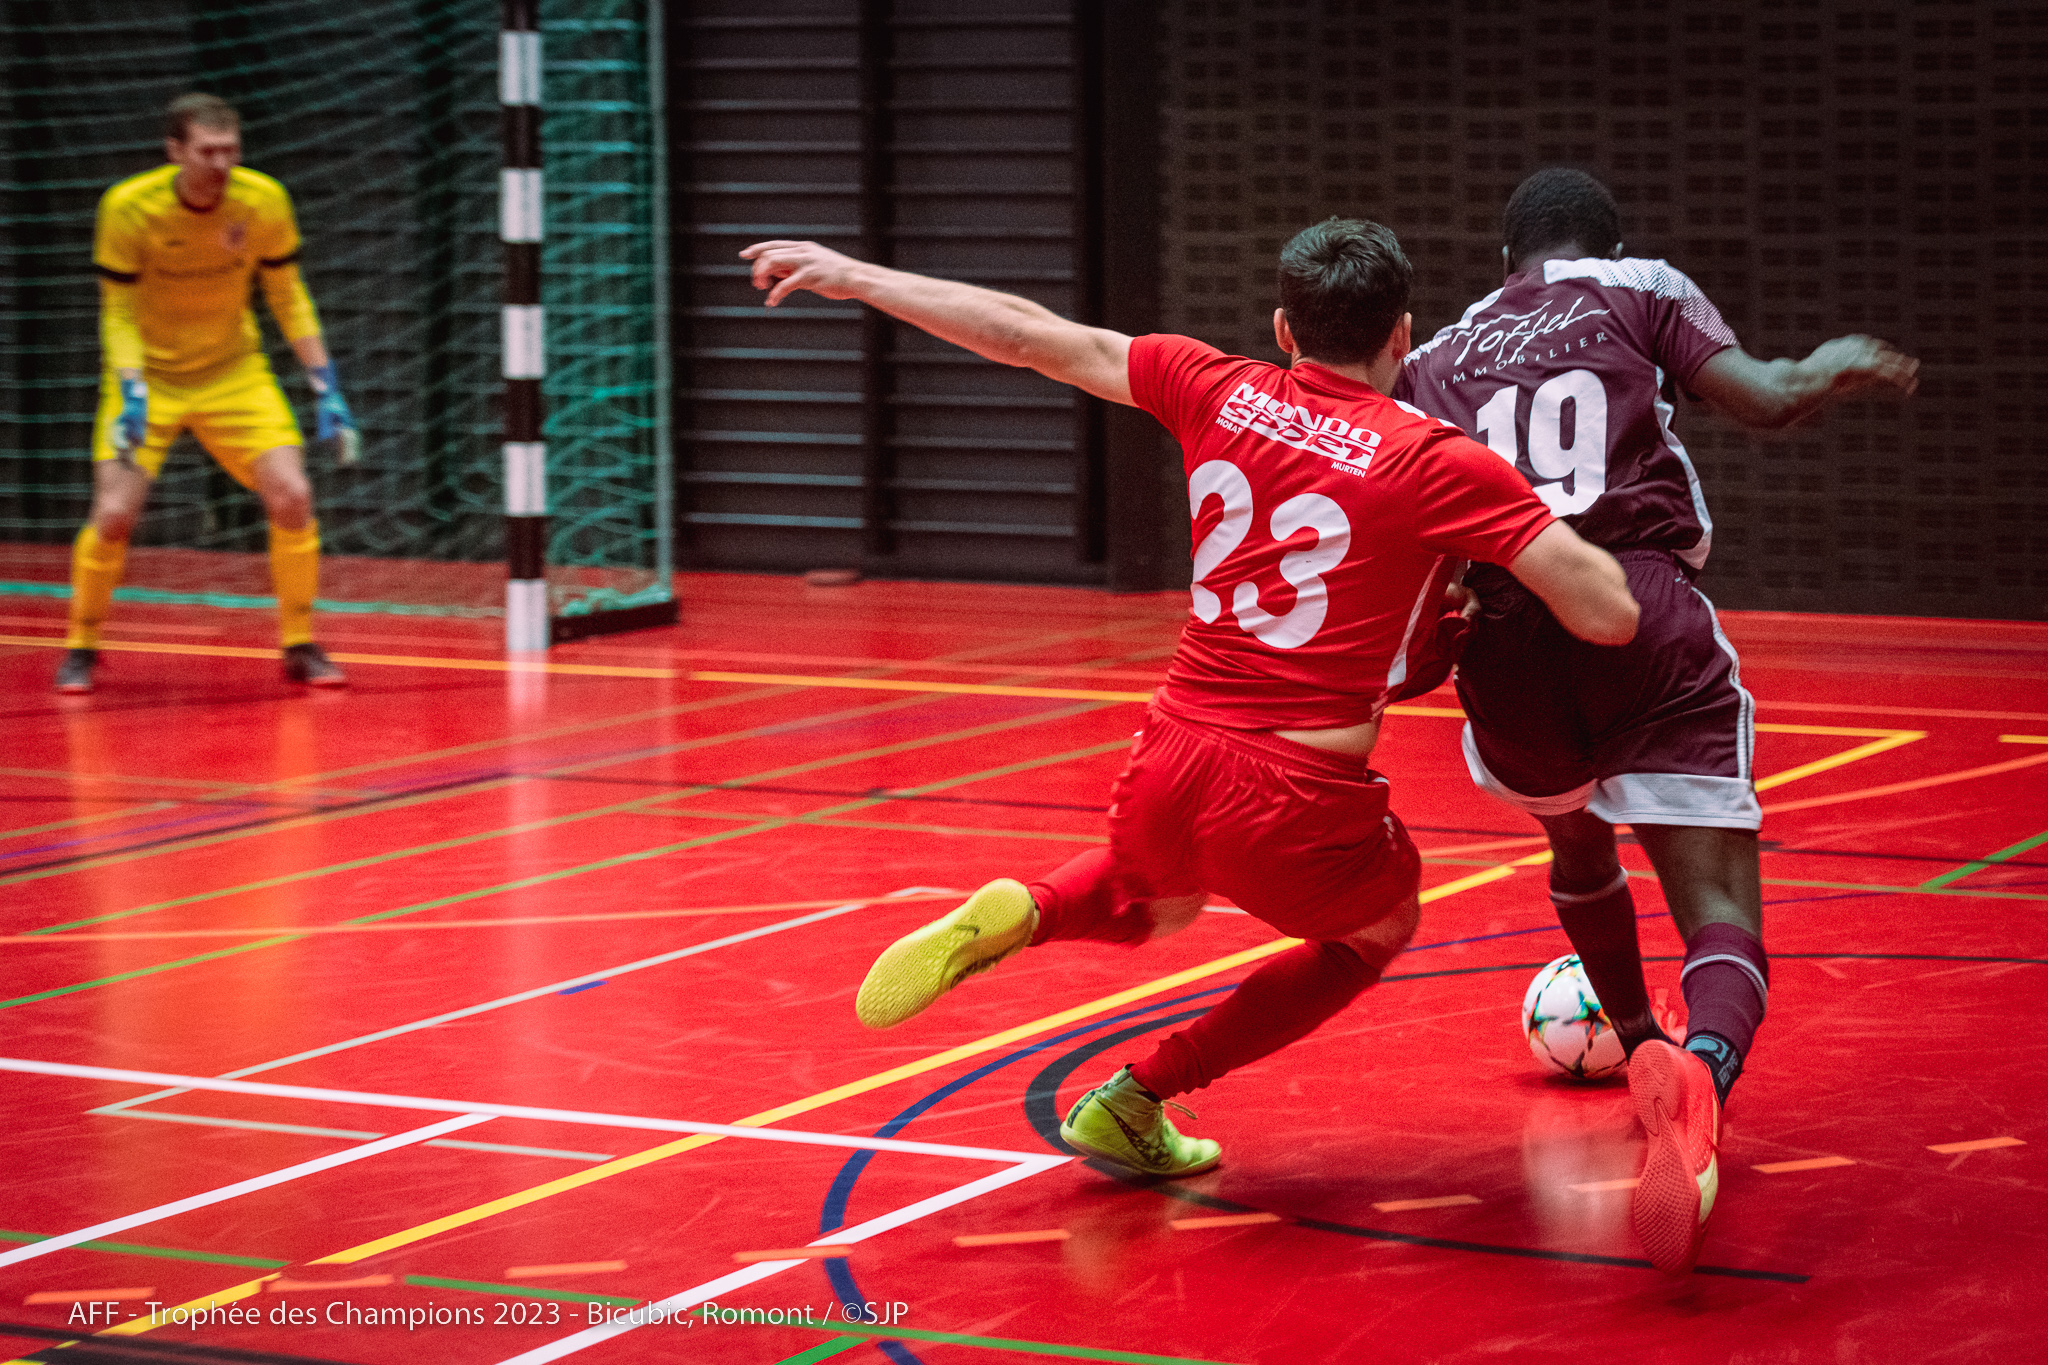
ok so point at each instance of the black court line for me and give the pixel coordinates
(118, 1350)
(1902, 857)
(1041, 1109)
(293, 813)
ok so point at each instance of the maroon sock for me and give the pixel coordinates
(1602, 927)
(1082, 898)
(1727, 980)
(1282, 1001)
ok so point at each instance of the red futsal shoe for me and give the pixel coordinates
(1674, 1098)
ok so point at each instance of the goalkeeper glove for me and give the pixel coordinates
(131, 428)
(335, 425)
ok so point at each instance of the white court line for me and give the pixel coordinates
(352, 1134)
(506, 1111)
(534, 994)
(677, 1304)
(241, 1187)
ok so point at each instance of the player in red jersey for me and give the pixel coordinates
(1328, 520)
(1568, 372)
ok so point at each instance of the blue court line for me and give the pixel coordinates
(224, 808)
(833, 1215)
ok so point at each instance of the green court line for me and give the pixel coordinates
(394, 803)
(77, 820)
(520, 1290)
(248, 602)
(492, 784)
(761, 826)
(162, 1253)
(506, 741)
(355, 864)
(1907, 890)
(823, 1351)
(1875, 889)
(1988, 860)
(963, 829)
(402, 802)
(119, 977)
(641, 855)
(1033, 1348)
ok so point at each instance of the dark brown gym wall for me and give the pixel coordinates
(1012, 147)
(1817, 168)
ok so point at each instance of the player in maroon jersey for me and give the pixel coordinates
(1568, 373)
(1327, 522)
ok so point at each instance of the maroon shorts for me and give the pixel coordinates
(1658, 731)
(1300, 838)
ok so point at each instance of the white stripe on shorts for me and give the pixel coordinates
(1676, 799)
(1564, 803)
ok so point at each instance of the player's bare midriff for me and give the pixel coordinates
(1353, 741)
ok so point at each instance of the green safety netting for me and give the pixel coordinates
(381, 118)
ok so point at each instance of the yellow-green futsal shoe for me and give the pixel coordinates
(924, 964)
(1119, 1122)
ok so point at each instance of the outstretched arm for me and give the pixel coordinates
(1778, 393)
(1000, 327)
(1582, 584)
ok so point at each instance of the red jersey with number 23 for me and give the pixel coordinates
(1327, 520)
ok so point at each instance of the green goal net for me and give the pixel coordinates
(382, 119)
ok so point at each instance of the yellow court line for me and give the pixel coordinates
(1893, 739)
(520, 921)
(876, 1081)
(393, 660)
(903, 685)
(973, 689)
(409, 1236)
(135, 1327)
(1881, 732)
(792, 680)
(687, 675)
(462, 1218)
(2023, 739)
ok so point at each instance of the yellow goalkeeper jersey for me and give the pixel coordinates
(174, 281)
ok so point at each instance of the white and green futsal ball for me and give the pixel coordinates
(1567, 1030)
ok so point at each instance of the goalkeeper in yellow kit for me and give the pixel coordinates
(176, 248)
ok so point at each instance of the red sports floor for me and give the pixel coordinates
(486, 951)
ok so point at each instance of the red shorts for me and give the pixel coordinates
(1299, 837)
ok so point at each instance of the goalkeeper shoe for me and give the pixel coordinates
(75, 673)
(1675, 1101)
(1122, 1122)
(308, 663)
(924, 964)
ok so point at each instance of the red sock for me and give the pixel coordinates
(1081, 898)
(1284, 1000)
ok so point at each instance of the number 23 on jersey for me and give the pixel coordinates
(1303, 569)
